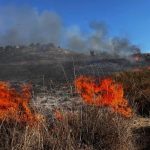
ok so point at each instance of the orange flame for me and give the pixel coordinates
(58, 115)
(14, 105)
(107, 93)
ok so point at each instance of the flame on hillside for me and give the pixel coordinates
(14, 105)
(104, 93)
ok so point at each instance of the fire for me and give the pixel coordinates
(104, 93)
(58, 115)
(14, 105)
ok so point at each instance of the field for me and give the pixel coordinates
(82, 103)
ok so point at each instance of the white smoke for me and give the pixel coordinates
(25, 25)
(99, 40)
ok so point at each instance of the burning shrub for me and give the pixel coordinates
(89, 128)
(14, 105)
(104, 93)
(17, 120)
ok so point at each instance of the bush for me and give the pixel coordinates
(136, 87)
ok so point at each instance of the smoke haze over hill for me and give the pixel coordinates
(25, 25)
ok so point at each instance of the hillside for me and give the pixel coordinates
(35, 62)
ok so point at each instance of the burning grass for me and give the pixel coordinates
(14, 105)
(103, 93)
(104, 121)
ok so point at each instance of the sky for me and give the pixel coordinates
(124, 18)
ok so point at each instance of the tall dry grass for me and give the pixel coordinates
(85, 128)
(89, 128)
(137, 89)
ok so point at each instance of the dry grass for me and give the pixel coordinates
(98, 129)
(85, 128)
(90, 128)
(137, 89)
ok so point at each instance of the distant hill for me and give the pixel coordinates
(33, 62)
(34, 53)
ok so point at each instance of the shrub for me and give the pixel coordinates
(136, 87)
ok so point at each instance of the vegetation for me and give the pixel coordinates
(84, 127)
(137, 89)
(89, 128)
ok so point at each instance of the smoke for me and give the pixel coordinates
(25, 25)
(99, 41)
(75, 39)
(94, 40)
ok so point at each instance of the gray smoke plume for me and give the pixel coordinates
(99, 41)
(26, 25)
(95, 40)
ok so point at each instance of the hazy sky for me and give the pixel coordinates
(125, 18)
